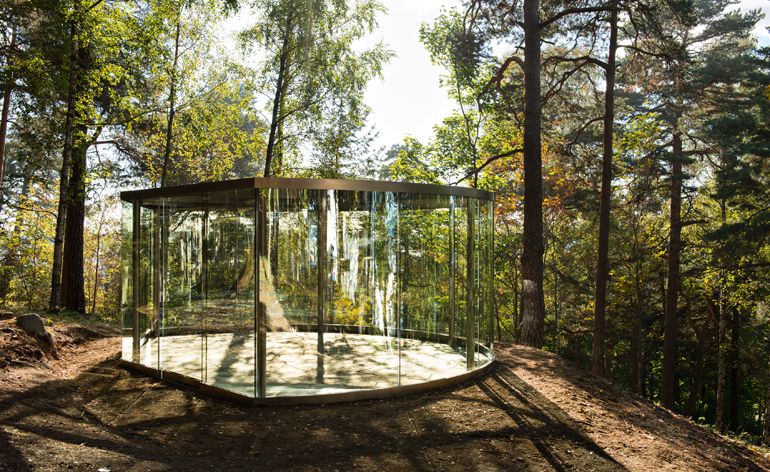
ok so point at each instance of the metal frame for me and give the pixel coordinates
(463, 335)
(309, 184)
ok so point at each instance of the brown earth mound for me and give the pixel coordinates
(27, 360)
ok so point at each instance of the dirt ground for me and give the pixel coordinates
(533, 412)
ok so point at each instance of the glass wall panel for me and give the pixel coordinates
(462, 324)
(361, 291)
(425, 280)
(288, 288)
(184, 284)
(229, 331)
(486, 274)
(477, 244)
(146, 290)
(127, 305)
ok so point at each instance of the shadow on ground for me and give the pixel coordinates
(642, 435)
(108, 417)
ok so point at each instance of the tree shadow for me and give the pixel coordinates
(631, 410)
(553, 433)
(10, 456)
(115, 418)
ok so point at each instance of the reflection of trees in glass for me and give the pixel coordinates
(297, 254)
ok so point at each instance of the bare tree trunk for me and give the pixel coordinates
(61, 214)
(96, 264)
(766, 429)
(721, 368)
(697, 376)
(735, 333)
(636, 335)
(532, 297)
(671, 321)
(721, 348)
(7, 91)
(636, 353)
(602, 263)
(278, 98)
(73, 295)
(556, 337)
(171, 103)
(516, 311)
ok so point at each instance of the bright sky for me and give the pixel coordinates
(408, 100)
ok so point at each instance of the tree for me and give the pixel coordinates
(680, 46)
(311, 69)
(98, 64)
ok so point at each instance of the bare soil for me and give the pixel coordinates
(533, 412)
(635, 432)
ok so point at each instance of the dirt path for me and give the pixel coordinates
(109, 418)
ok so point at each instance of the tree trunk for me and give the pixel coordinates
(721, 347)
(636, 354)
(602, 262)
(670, 321)
(171, 103)
(766, 429)
(735, 331)
(721, 366)
(96, 264)
(278, 98)
(556, 337)
(73, 295)
(516, 311)
(636, 335)
(697, 376)
(532, 298)
(7, 90)
(61, 214)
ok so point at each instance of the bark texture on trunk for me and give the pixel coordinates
(7, 91)
(721, 338)
(670, 320)
(735, 386)
(97, 257)
(696, 386)
(278, 98)
(73, 295)
(636, 335)
(532, 299)
(61, 213)
(766, 429)
(171, 105)
(721, 361)
(602, 262)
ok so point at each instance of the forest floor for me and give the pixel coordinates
(535, 411)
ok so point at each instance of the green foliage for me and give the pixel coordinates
(315, 78)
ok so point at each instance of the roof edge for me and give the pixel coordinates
(310, 184)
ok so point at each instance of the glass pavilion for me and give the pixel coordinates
(303, 290)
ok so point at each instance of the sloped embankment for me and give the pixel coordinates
(635, 432)
(27, 360)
